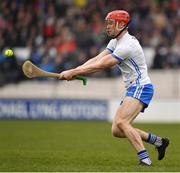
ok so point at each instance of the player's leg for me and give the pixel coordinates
(160, 143)
(116, 132)
(150, 138)
(126, 113)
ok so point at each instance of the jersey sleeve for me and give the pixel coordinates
(111, 46)
(121, 53)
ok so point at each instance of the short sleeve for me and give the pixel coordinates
(111, 45)
(121, 53)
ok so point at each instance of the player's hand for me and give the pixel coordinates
(66, 75)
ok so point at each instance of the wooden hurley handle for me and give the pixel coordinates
(32, 71)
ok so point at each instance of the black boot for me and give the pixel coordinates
(162, 149)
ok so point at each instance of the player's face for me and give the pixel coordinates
(110, 28)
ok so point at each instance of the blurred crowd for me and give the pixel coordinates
(62, 34)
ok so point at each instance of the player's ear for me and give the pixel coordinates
(120, 25)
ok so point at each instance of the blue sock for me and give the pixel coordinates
(153, 139)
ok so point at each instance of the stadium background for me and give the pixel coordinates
(61, 34)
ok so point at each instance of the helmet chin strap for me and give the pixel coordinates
(121, 30)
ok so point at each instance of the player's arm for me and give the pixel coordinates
(99, 56)
(104, 62)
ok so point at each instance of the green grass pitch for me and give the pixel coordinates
(69, 146)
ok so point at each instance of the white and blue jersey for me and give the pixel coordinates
(132, 64)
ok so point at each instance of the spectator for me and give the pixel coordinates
(73, 28)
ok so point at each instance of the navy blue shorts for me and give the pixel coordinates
(144, 93)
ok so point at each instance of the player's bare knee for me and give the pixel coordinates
(116, 132)
(122, 123)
